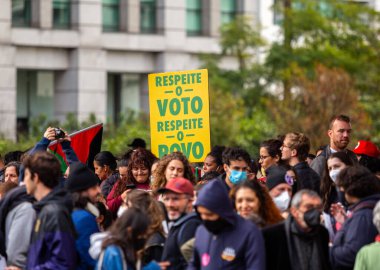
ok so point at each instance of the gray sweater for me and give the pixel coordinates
(18, 230)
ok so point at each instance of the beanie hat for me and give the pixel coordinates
(276, 176)
(367, 148)
(80, 178)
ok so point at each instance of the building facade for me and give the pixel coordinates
(93, 56)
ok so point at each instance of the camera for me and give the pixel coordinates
(59, 133)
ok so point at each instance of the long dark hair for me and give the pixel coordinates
(328, 187)
(126, 231)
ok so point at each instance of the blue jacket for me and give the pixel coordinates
(238, 246)
(85, 225)
(357, 231)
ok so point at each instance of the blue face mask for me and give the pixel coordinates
(237, 177)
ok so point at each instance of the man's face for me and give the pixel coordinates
(280, 188)
(92, 193)
(286, 150)
(10, 174)
(206, 214)
(307, 203)
(339, 134)
(236, 165)
(176, 204)
(29, 181)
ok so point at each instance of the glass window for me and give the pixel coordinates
(110, 15)
(123, 95)
(21, 13)
(148, 16)
(228, 11)
(61, 14)
(194, 17)
(35, 96)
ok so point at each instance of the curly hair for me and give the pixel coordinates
(216, 153)
(145, 202)
(159, 174)
(268, 211)
(357, 181)
(140, 157)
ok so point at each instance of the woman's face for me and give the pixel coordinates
(335, 164)
(100, 171)
(246, 202)
(174, 169)
(265, 159)
(209, 164)
(140, 174)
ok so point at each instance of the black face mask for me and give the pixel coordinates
(215, 226)
(312, 218)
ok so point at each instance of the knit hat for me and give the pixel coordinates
(178, 185)
(367, 148)
(277, 176)
(80, 178)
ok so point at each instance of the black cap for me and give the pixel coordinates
(80, 178)
(138, 142)
(276, 176)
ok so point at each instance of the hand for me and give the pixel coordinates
(164, 265)
(124, 195)
(338, 212)
(67, 137)
(50, 134)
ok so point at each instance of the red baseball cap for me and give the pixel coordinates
(178, 185)
(367, 148)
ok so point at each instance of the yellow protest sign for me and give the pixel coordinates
(180, 113)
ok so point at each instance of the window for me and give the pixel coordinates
(194, 17)
(228, 11)
(110, 15)
(61, 14)
(35, 97)
(21, 13)
(123, 95)
(148, 16)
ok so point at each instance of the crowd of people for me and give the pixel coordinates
(286, 209)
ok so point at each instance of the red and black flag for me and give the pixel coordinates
(86, 143)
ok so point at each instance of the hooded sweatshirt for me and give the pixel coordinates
(53, 239)
(239, 245)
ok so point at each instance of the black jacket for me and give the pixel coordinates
(307, 178)
(53, 239)
(181, 232)
(281, 253)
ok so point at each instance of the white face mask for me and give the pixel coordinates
(282, 201)
(334, 174)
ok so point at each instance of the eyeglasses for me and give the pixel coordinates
(284, 145)
(263, 157)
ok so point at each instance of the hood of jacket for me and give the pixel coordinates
(214, 197)
(366, 202)
(58, 196)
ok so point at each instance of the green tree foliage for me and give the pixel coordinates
(336, 34)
